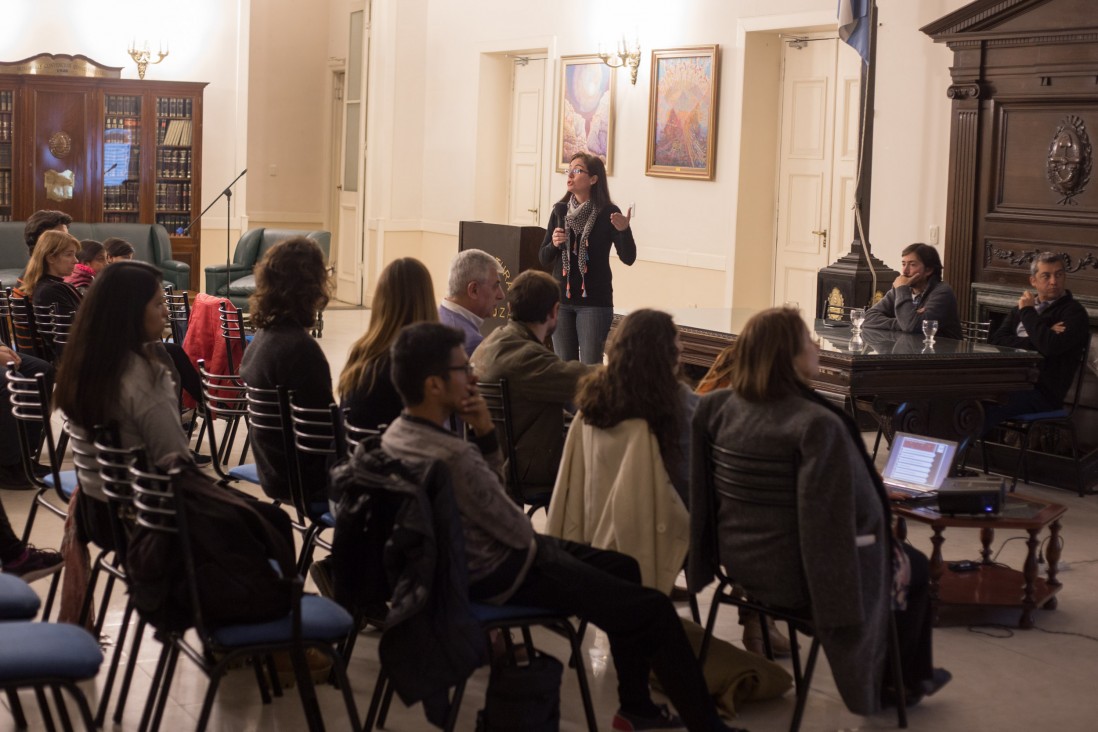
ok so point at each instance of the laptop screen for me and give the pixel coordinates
(919, 463)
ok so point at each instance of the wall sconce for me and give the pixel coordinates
(142, 57)
(624, 56)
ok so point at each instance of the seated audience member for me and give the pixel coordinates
(404, 295)
(91, 258)
(540, 384)
(113, 372)
(918, 294)
(508, 563)
(825, 546)
(615, 485)
(39, 223)
(1051, 322)
(719, 375)
(118, 250)
(52, 260)
(24, 560)
(472, 293)
(291, 285)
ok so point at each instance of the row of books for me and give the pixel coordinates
(7, 101)
(5, 156)
(123, 105)
(174, 107)
(5, 187)
(122, 197)
(5, 128)
(174, 224)
(173, 132)
(173, 197)
(122, 129)
(120, 218)
(5, 217)
(173, 163)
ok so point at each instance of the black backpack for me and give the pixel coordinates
(523, 693)
(235, 548)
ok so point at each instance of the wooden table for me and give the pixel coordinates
(993, 585)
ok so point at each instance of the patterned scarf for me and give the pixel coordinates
(580, 219)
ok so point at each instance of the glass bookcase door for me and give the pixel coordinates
(174, 162)
(122, 159)
(7, 136)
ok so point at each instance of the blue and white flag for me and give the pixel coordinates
(854, 25)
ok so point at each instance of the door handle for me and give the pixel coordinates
(533, 211)
(822, 233)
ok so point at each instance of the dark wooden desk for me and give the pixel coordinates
(943, 387)
(994, 585)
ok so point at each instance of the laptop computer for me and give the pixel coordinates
(918, 466)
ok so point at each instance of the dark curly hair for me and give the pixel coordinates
(640, 380)
(291, 284)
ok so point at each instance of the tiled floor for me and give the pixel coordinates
(1004, 678)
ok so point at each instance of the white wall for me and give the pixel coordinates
(686, 230)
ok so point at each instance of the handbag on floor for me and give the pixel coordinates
(523, 693)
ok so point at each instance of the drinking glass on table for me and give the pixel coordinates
(930, 327)
(857, 317)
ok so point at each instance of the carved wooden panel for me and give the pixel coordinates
(60, 128)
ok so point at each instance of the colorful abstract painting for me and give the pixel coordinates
(682, 118)
(586, 110)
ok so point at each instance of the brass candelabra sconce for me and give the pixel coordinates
(624, 56)
(142, 57)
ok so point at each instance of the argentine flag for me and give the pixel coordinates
(854, 25)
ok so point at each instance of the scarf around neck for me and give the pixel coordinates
(580, 219)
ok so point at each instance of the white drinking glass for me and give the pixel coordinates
(857, 317)
(930, 327)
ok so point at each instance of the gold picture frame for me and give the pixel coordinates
(682, 112)
(586, 119)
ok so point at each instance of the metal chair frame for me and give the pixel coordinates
(223, 399)
(497, 394)
(232, 330)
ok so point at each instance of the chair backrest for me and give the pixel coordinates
(317, 430)
(113, 464)
(30, 404)
(232, 330)
(179, 312)
(5, 317)
(975, 331)
(354, 435)
(27, 339)
(1081, 372)
(60, 325)
(269, 412)
(497, 395)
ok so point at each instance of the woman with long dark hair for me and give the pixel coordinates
(404, 295)
(291, 286)
(114, 372)
(820, 540)
(584, 225)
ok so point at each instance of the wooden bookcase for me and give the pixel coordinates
(104, 150)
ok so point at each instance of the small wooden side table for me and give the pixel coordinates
(992, 584)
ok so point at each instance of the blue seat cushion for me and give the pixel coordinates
(508, 613)
(248, 472)
(17, 600)
(68, 482)
(31, 650)
(321, 620)
(1035, 416)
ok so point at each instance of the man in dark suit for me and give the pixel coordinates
(1050, 321)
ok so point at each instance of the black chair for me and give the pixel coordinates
(975, 331)
(353, 435)
(179, 313)
(314, 622)
(223, 400)
(1024, 424)
(60, 325)
(497, 394)
(750, 479)
(233, 332)
(5, 317)
(316, 431)
(24, 328)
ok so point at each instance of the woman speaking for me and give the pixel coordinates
(584, 224)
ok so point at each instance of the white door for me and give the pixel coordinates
(350, 252)
(527, 102)
(816, 166)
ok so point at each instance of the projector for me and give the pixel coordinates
(972, 496)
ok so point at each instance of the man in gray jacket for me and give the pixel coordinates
(918, 294)
(509, 563)
(541, 385)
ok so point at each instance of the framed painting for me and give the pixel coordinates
(586, 110)
(682, 112)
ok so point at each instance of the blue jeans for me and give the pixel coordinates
(581, 332)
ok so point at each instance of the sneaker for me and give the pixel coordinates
(626, 722)
(34, 564)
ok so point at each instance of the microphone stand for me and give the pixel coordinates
(228, 194)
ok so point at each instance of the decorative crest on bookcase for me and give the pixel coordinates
(61, 64)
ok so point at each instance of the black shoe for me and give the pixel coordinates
(200, 460)
(939, 677)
